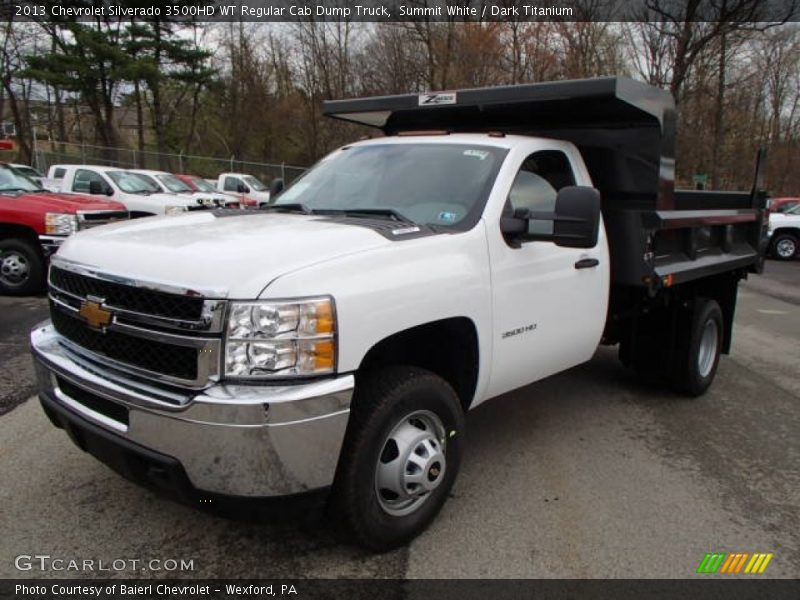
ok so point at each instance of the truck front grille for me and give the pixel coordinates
(126, 297)
(150, 355)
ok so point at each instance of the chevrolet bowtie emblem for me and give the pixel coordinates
(95, 315)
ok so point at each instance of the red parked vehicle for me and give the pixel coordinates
(782, 205)
(198, 184)
(34, 222)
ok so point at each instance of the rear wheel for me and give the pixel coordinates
(400, 456)
(784, 246)
(21, 268)
(699, 349)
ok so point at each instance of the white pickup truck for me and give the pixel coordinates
(254, 192)
(333, 341)
(167, 183)
(784, 233)
(141, 198)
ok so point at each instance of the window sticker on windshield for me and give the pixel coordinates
(479, 154)
(447, 217)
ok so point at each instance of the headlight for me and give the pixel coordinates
(60, 224)
(281, 339)
(174, 210)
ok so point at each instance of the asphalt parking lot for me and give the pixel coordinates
(586, 474)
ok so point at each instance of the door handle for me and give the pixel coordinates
(587, 263)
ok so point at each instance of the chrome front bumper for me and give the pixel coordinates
(238, 440)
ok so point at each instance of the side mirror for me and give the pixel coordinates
(99, 188)
(242, 188)
(576, 219)
(275, 187)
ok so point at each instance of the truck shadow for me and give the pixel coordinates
(303, 540)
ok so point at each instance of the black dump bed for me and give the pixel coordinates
(625, 131)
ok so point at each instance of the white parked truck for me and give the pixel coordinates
(784, 233)
(333, 341)
(141, 198)
(167, 183)
(253, 190)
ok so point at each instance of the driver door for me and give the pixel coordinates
(549, 302)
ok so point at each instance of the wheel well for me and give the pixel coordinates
(722, 288)
(651, 328)
(793, 230)
(10, 230)
(448, 348)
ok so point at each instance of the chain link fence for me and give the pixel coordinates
(53, 153)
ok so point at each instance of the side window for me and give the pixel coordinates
(536, 186)
(82, 180)
(231, 184)
(787, 206)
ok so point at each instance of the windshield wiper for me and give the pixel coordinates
(289, 207)
(368, 212)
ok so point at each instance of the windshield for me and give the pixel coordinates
(794, 210)
(173, 184)
(150, 182)
(433, 184)
(202, 185)
(28, 172)
(11, 180)
(254, 183)
(132, 183)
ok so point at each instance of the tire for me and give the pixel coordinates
(21, 268)
(395, 412)
(785, 246)
(698, 349)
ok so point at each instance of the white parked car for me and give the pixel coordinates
(254, 191)
(331, 343)
(142, 199)
(784, 233)
(168, 183)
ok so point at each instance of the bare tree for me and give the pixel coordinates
(17, 40)
(690, 27)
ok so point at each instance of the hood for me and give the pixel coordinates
(220, 256)
(67, 203)
(777, 219)
(169, 199)
(190, 197)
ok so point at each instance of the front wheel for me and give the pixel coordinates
(784, 246)
(22, 270)
(400, 456)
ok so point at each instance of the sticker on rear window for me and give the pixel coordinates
(479, 154)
